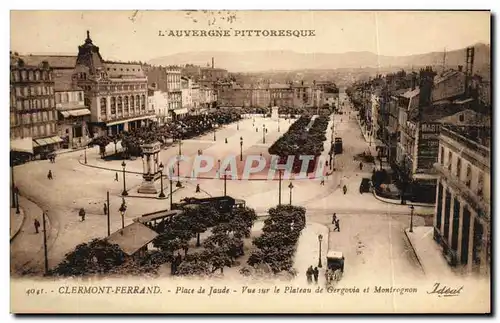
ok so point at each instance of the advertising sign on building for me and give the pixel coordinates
(428, 145)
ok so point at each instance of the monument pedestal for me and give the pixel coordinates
(274, 113)
(150, 154)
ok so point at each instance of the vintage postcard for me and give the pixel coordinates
(250, 161)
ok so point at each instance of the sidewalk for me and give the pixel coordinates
(27, 248)
(16, 222)
(428, 252)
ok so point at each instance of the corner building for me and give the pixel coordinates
(116, 93)
(462, 216)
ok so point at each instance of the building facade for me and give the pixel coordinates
(33, 111)
(115, 93)
(168, 80)
(158, 102)
(282, 95)
(462, 224)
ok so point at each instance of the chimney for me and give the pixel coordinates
(460, 68)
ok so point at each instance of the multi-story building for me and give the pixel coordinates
(462, 222)
(32, 106)
(282, 95)
(158, 102)
(207, 98)
(116, 93)
(73, 115)
(261, 96)
(168, 80)
(190, 95)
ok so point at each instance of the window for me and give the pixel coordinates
(137, 102)
(58, 97)
(143, 102)
(80, 96)
(30, 75)
(26, 91)
(16, 76)
(18, 91)
(126, 103)
(47, 126)
(104, 107)
(66, 97)
(120, 107)
(37, 75)
(480, 184)
(35, 131)
(459, 167)
(23, 75)
(132, 102)
(44, 75)
(468, 175)
(113, 105)
(450, 157)
(42, 130)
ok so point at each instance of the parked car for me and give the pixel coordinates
(365, 185)
(338, 146)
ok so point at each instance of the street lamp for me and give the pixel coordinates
(278, 124)
(290, 187)
(238, 125)
(225, 181)
(17, 200)
(160, 168)
(279, 187)
(213, 126)
(85, 154)
(263, 133)
(124, 193)
(320, 237)
(122, 210)
(171, 186)
(241, 148)
(179, 165)
(411, 217)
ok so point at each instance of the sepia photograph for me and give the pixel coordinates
(240, 161)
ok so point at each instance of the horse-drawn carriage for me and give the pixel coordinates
(334, 266)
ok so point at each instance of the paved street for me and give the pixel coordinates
(365, 221)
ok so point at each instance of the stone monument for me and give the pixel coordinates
(275, 114)
(150, 158)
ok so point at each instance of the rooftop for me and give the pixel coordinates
(480, 136)
(132, 238)
(55, 61)
(63, 81)
(124, 70)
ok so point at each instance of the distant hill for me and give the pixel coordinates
(258, 61)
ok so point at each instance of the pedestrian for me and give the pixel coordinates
(309, 274)
(37, 225)
(81, 213)
(54, 157)
(173, 268)
(105, 209)
(322, 181)
(360, 165)
(49, 175)
(337, 225)
(345, 189)
(316, 274)
(225, 140)
(116, 176)
(334, 218)
(178, 259)
(198, 188)
(257, 129)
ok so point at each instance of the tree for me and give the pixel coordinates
(95, 257)
(194, 264)
(218, 259)
(200, 218)
(102, 142)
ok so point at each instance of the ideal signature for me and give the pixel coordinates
(445, 291)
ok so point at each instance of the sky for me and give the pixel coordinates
(133, 35)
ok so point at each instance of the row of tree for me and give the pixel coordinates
(186, 128)
(300, 140)
(278, 242)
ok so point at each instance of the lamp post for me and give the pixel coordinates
(279, 186)
(160, 168)
(263, 133)
(122, 210)
(238, 125)
(179, 165)
(171, 186)
(290, 187)
(411, 217)
(278, 124)
(45, 251)
(225, 181)
(17, 200)
(124, 193)
(241, 148)
(213, 126)
(85, 154)
(320, 238)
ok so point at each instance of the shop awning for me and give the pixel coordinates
(75, 113)
(181, 111)
(22, 145)
(47, 141)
